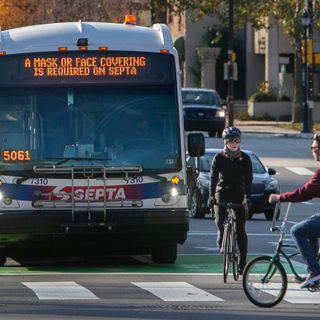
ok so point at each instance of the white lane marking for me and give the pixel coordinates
(300, 171)
(64, 290)
(208, 248)
(307, 203)
(294, 293)
(176, 291)
(196, 233)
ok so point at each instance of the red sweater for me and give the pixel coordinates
(309, 191)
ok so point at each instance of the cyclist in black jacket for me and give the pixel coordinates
(231, 180)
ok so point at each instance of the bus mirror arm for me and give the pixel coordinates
(197, 171)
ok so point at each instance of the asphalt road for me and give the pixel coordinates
(135, 288)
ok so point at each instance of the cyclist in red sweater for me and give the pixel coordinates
(307, 232)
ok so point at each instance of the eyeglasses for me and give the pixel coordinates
(234, 141)
(314, 148)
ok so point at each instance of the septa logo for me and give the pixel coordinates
(91, 193)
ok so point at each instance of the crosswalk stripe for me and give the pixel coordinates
(300, 171)
(295, 294)
(166, 291)
(176, 291)
(66, 290)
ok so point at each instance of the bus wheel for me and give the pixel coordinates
(212, 134)
(165, 253)
(3, 259)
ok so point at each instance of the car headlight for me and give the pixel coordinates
(272, 185)
(221, 113)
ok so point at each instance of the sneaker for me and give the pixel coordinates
(310, 280)
(241, 266)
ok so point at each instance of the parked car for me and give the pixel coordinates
(263, 185)
(203, 111)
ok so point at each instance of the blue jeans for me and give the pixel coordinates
(306, 234)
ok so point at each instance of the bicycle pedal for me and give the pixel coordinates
(314, 287)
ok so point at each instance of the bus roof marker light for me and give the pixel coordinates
(130, 19)
(164, 51)
(3, 53)
(63, 49)
(103, 48)
(82, 42)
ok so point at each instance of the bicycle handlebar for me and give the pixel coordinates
(280, 228)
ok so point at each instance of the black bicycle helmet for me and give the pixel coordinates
(231, 132)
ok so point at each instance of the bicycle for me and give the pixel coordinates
(265, 279)
(229, 246)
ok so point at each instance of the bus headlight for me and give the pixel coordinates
(166, 197)
(1, 196)
(174, 192)
(171, 195)
(7, 201)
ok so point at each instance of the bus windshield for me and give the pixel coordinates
(111, 126)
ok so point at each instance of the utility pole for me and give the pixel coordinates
(230, 106)
(310, 75)
(305, 21)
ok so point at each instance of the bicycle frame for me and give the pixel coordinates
(229, 221)
(229, 243)
(257, 285)
(279, 252)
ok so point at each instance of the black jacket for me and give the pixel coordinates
(231, 175)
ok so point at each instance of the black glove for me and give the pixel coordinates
(246, 202)
(211, 202)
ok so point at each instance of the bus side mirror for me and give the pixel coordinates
(272, 172)
(196, 144)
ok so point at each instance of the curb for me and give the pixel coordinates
(299, 135)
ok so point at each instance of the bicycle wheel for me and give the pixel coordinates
(236, 262)
(235, 253)
(226, 251)
(264, 283)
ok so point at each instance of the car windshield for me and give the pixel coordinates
(107, 125)
(200, 98)
(206, 161)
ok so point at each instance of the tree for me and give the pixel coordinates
(18, 13)
(286, 13)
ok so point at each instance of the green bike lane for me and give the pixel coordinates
(190, 264)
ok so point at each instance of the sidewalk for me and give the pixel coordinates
(269, 127)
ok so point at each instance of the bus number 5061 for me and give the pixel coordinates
(16, 155)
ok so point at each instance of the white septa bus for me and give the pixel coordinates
(91, 140)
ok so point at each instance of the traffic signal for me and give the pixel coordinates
(309, 51)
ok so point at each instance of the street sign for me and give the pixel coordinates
(227, 75)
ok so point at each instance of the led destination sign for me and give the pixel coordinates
(86, 67)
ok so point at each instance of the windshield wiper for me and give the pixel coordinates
(28, 175)
(155, 176)
(64, 160)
